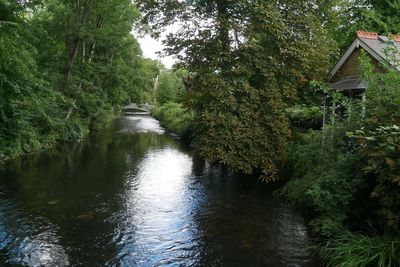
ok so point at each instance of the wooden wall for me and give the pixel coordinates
(352, 67)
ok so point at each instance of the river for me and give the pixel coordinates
(134, 195)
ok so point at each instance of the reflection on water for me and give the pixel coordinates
(157, 217)
(136, 124)
(132, 196)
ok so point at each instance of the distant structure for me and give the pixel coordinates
(346, 75)
(137, 109)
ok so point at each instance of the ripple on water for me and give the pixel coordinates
(34, 241)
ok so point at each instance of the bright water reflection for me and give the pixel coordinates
(158, 226)
(133, 196)
(136, 124)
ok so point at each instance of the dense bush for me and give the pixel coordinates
(29, 106)
(324, 179)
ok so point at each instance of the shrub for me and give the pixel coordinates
(380, 150)
(348, 174)
(323, 179)
(303, 116)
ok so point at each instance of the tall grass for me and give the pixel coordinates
(353, 249)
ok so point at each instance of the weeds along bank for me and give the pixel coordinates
(65, 69)
(347, 177)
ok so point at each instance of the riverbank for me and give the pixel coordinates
(175, 118)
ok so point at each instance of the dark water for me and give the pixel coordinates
(134, 196)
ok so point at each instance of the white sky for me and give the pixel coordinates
(151, 46)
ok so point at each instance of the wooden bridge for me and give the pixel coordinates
(137, 109)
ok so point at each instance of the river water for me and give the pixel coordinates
(135, 196)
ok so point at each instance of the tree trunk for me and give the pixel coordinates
(83, 51)
(69, 113)
(99, 25)
(155, 86)
(223, 33)
(223, 25)
(73, 51)
(111, 59)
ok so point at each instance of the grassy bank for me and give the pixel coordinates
(175, 118)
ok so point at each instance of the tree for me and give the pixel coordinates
(170, 87)
(26, 100)
(249, 58)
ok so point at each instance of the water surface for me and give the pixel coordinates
(135, 196)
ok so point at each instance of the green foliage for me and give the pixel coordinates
(384, 16)
(379, 142)
(171, 87)
(242, 126)
(149, 70)
(25, 99)
(304, 116)
(65, 67)
(351, 249)
(175, 118)
(305, 112)
(381, 151)
(381, 16)
(324, 178)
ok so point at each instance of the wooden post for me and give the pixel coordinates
(333, 111)
(324, 115)
(363, 101)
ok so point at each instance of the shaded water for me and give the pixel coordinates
(134, 196)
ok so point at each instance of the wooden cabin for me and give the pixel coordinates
(346, 75)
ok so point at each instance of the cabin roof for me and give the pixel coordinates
(349, 84)
(378, 46)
